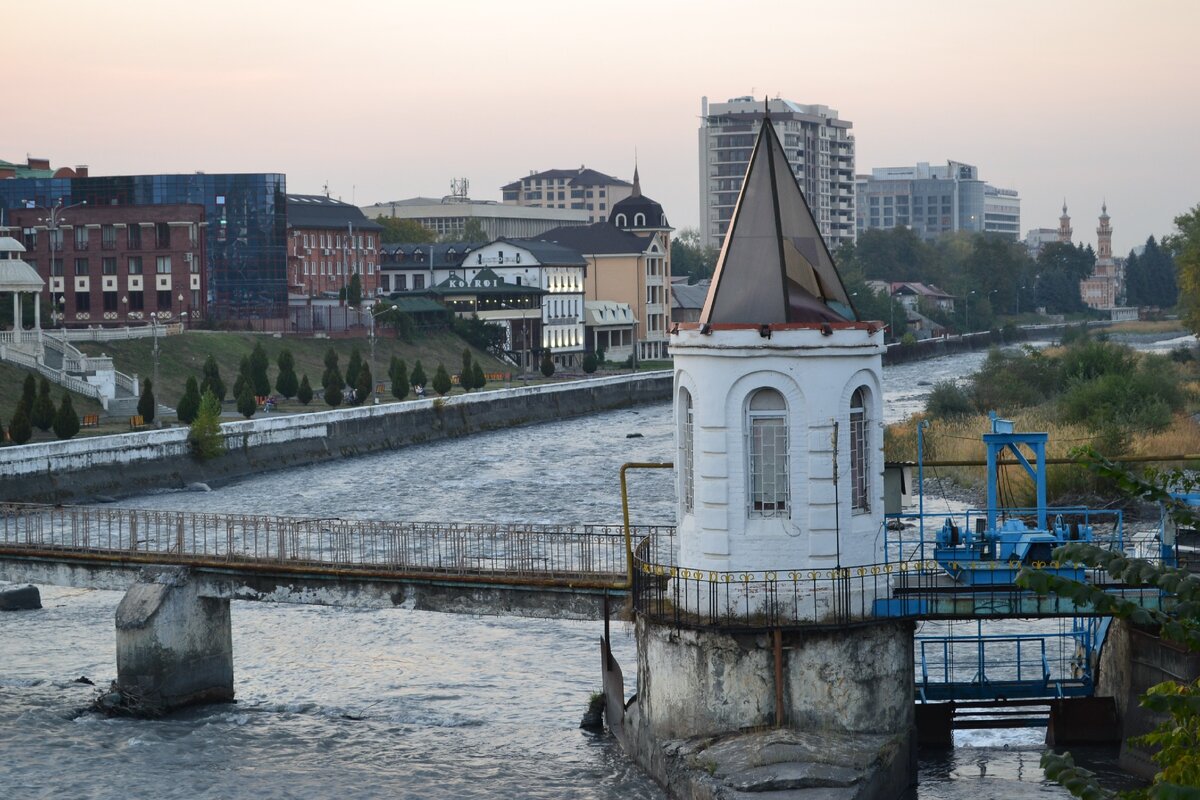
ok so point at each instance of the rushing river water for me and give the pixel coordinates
(337, 702)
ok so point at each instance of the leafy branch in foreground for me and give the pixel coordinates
(1176, 740)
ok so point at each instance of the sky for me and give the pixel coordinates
(1058, 99)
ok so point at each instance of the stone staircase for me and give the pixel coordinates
(64, 364)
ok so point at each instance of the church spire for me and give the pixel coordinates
(637, 184)
(774, 266)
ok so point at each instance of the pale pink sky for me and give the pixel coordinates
(386, 100)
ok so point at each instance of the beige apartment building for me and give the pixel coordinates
(628, 263)
(580, 189)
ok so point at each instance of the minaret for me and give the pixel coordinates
(1104, 236)
(1064, 225)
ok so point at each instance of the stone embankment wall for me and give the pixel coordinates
(82, 469)
(932, 348)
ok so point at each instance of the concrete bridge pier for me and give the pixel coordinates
(174, 646)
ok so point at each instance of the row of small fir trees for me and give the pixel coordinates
(471, 377)
(35, 409)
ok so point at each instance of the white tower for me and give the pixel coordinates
(778, 365)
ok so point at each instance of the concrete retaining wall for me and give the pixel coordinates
(77, 470)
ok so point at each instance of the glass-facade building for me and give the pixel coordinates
(245, 219)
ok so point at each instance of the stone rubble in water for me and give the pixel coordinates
(20, 598)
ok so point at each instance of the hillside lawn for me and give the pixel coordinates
(184, 354)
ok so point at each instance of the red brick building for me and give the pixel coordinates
(327, 242)
(109, 265)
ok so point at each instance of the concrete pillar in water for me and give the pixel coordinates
(174, 645)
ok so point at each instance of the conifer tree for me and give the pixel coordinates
(204, 436)
(364, 386)
(246, 404)
(466, 376)
(352, 367)
(547, 363)
(42, 412)
(332, 373)
(333, 393)
(146, 405)
(29, 392)
(399, 378)
(243, 380)
(418, 375)
(286, 383)
(441, 380)
(305, 393)
(260, 381)
(66, 421)
(189, 404)
(211, 380)
(19, 430)
(478, 379)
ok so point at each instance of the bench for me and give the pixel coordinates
(90, 421)
(136, 423)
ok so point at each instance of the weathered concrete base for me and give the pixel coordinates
(1083, 721)
(20, 598)
(1131, 661)
(174, 646)
(701, 723)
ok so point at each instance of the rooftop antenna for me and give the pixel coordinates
(325, 188)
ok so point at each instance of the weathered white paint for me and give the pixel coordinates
(816, 374)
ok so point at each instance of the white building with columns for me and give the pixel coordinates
(22, 281)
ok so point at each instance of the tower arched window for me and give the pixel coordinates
(639, 220)
(860, 435)
(686, 452)
(767, 447)
(620, 220)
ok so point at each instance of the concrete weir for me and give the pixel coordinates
(174, 645)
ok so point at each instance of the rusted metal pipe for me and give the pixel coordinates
(625, 511)
(778, 678)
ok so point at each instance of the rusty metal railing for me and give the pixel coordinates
(536, 552)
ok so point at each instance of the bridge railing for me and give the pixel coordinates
(993, 666)
(520, 550)
(668, 593)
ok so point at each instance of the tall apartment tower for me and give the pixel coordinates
(819, 149)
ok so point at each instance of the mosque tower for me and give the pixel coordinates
(1064, 226)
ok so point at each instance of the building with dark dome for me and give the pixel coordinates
(638, 212)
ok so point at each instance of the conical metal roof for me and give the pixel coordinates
(774, 266)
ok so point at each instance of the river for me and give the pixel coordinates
(395, 703)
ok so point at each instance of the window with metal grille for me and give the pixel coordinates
(859, 448)
(767, 446)
(686, 455)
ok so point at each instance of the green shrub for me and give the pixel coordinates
(259, 381)
(352, 368)
(211, 381)
(589, 363)
(364, 386)
(204, 435)
(480, 380)
(418, 375)
(1086, 360)
(398, 374)
(333, 393)
(948, 400)
(42, 412)
(548, 363)
(286, 383)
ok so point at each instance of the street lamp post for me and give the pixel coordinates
(967, 312)
(371, 339)
(154, 327)
(52, 222)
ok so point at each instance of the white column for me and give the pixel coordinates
(16, 317)
(37, 321)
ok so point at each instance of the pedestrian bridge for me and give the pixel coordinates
(571, 572)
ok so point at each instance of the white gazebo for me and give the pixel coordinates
(18, 277)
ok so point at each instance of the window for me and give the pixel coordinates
(56, 239)
(135, 265)
(110, 301)
(30, 239)
(162, 235)
(163, 265)
(859, 450)
(418, 282)
(108, 237)
(134, 236)
(768, 450)
(686, 454)
(81, 266)
(56, 267)
(164, 300)
(83, 301)
(81, 237)
(639, 220)
(137, 301)
(401, 283)
(620, 220)
(108, 266)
